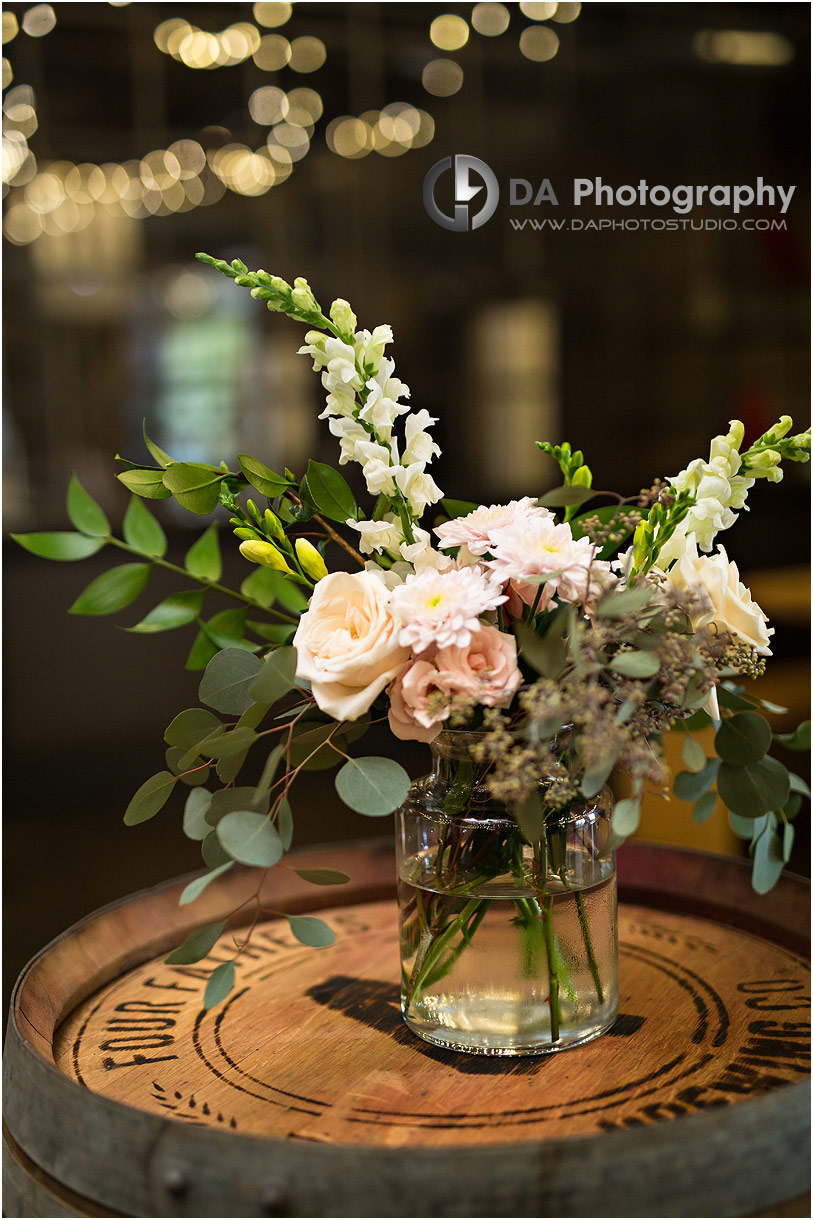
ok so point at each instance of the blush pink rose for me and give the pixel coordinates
(485, 669)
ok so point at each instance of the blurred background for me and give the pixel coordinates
(297, 138)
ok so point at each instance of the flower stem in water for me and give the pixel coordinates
(588, 944)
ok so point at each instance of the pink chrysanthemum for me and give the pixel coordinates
(442, 609)
(538, 546)
(476, 529)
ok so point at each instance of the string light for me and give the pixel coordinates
(307, 54)
(196, 48)
(273, 53)
(391, 132)
(537, 12)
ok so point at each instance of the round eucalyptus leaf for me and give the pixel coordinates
(372, 786)
(221, 981)
(196, 887)
(691, 785)
(150, 798)
(694, 755)
(311, 931)
(250, 838)
(704, 808)
(626, 816)
(322, 876)
(754, 790)
(635, 664)
(197, 945)
(195, 825)
(743, 738)
(225, 684)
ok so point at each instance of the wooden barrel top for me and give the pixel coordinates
(305, 1094)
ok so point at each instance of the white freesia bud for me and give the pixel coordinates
(343, 318)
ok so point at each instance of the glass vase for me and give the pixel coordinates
(507, 948)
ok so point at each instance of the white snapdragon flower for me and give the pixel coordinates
(341, 363)
(422, 555)
(303, 297)
(419, 444)
(718, 490)
(417, 488)
(381, 411)
(375, 462)
(341, 399)
(342, 317)
(370, 347)
(384, 535)
(350, 433)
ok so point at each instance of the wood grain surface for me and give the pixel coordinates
(311, 1044)
(305, 1094)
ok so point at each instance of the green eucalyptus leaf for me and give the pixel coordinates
(85, 514)
(596, 777)
(694, 755)
(229, 768)
(195, 487)
(112, 590)
(142, 531)
(276, 677)
(264, 480)
(705, 807)
(221, 982)
(212, 851)
(560, 497)
(799, 739)
(372, 786)
(547, 653)
(226, 682)
(227, 800)
(195, 825)
(791, 807)
(691, 785)
(743, 827)
(150, 798)
(59, 544)
(196, 887)
(530, 818)
(626, 816)
(269, 770)
(232, 743)
(200, 749)
(732, 700)
(285, 823)
(311, 931)
(158, 454)
(629, 601)
(190, 727)
(769, 858)
(756, 789)
(797, 784)
(203, 560)
(177, 610)
(250, 838)
(743, 738)
(197, 945)
(330, 492)
(253, 716)
(322, 876)
(144, 482)
(635, 664)
(788, 834)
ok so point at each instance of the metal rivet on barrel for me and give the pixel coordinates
(175, 1181)
(274, 1201)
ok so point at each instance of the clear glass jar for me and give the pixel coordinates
(506, 948)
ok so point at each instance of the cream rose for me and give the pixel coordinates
(347, 643)
(729, 603)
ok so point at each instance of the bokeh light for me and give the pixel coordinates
(39, 20)
(448, 32)
(537, 12)
(273, 53)
(307, 54)
(539, 43)
(10, 27)
(442, 77)
(268, 105)
(490, 19)
(566, 12)
(272, 15)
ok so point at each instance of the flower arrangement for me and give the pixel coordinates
(568, 639)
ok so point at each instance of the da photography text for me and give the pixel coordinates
(461, 193)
